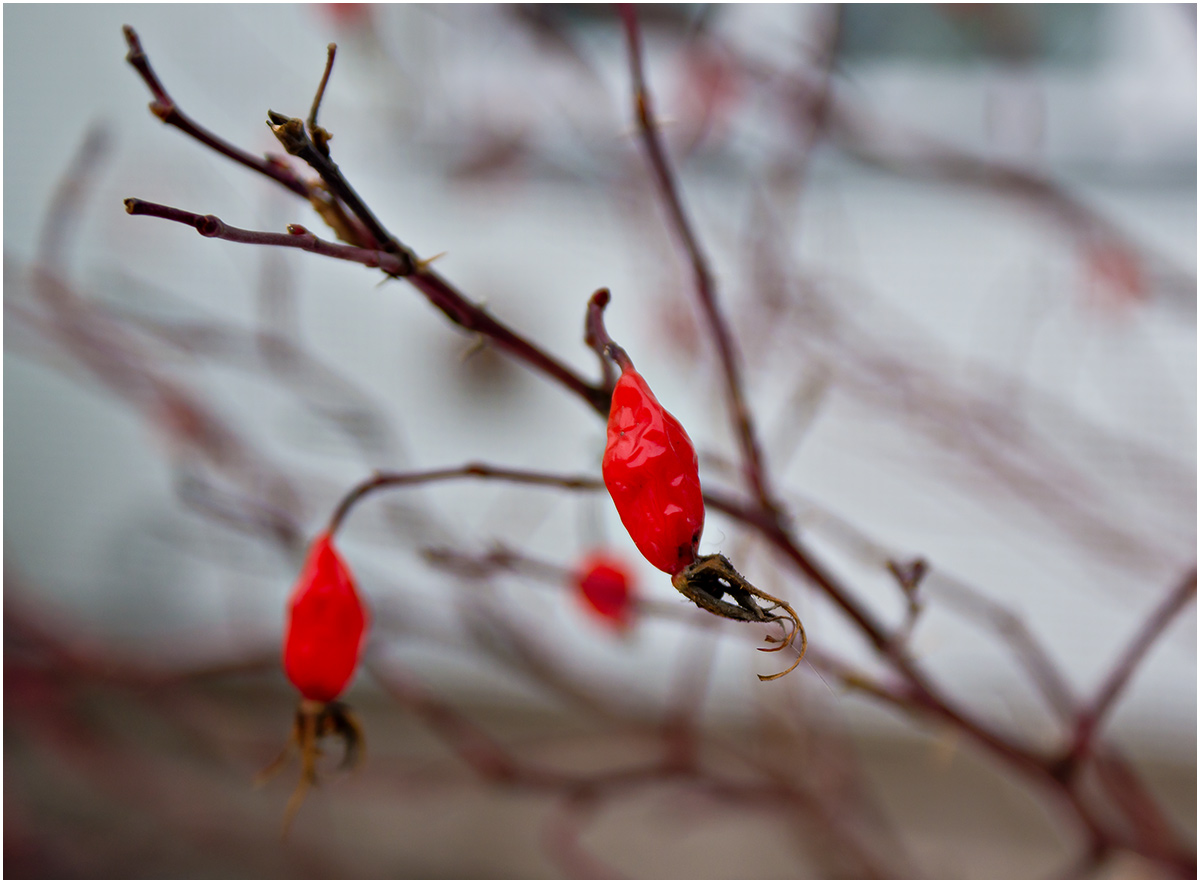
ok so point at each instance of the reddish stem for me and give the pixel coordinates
(165, 109)
(296, 237)
(437, 291)
(383, 480)
(664, 178)
(1090, 719)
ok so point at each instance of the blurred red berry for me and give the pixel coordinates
(607, 590)
(1114, 273)
(348, 15)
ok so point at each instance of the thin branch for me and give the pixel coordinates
(483, 754)
(383, 480)
(475, 318)
(596, 335)
(1024, 646)
(922, 694)
(67, 204)
(502, 560)
(320, 136)
(910, 690)
(296, 237)
(1090, 719)
(437, 291)
(752, 458)
(296, 141)
(163, 106)
(859, 133)
(1150, 831)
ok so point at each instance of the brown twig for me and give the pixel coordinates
(320, 136)
(475, 318)
(296, 141)
(383, 480)
(296, 237)
(575, 810)
(1090, 719)
(718, 326)
(437, 291)
(66, 204)
(1026, 649)
(164, 107)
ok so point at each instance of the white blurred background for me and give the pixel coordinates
(944, 361)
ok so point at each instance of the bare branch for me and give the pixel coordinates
(1090, 719)
(1022, 643)
(718, 326)
(320, 136)
(163, 106)
(295, 140)
(471, 470)
(65, 207)
(437, 291)
(296, 237)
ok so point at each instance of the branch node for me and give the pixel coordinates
(289, 131)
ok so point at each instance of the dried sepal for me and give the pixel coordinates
(709, 579)
(313, 722)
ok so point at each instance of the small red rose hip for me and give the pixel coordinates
(326, 625)
(607, 590)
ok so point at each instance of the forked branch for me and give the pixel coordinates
(164, 107)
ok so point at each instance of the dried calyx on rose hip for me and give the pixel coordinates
(327, 623)
(651, 472)
(604, 584)
(710, 578)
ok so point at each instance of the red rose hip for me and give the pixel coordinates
(326, 625)
(651, 473)
(605, 588)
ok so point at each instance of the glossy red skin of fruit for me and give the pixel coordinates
(651, 473)
(606, 589)
(326, 625)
